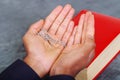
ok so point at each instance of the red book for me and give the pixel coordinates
(107, 29)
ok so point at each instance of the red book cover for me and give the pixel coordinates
(106, 29)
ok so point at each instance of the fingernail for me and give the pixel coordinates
(59, 6)
(68, 6)
(89, 13)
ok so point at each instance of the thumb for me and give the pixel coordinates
(90, 28)
(35, 28)
(91, 55)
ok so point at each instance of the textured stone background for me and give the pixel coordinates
(17, 15)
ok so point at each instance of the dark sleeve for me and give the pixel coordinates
(61, 77)
(19, 71)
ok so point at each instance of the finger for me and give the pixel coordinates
(59, 19)
(79, 30)
(68, 32)
(89, 42)
(51, 18)
(85, 26)
(35, 28)
(64, 25)
(71, 40)
(89, 35)
(90, 28)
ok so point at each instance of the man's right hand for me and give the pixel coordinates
(80, 49)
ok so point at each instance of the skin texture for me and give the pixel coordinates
(79, 50)
(40, 54)
(43, 57)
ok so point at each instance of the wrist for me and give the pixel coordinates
(61, 71)
(34, 64)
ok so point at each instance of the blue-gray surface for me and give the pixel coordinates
(17, 15)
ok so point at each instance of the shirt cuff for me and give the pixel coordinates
(61, 77)
(19, 70)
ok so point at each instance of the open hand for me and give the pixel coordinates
(79, 50)
(40, 53)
